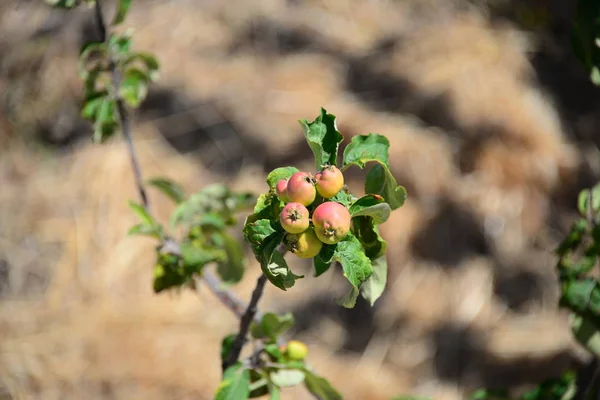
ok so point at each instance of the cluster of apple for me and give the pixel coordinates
(330, 220)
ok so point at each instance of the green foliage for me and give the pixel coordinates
(235, 384)
(323, 138)
(271, 326)
(122, 9)
(320, 387)
(380, 181)
(280, 173)
(171, 189)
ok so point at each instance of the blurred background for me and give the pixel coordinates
(492, 123)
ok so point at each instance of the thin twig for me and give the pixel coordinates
(122, 110)
(246, 320)
(226, 297)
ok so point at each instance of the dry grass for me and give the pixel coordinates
(477, 144)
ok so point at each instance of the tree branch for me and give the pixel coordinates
(122, 110)
(248, 313)
(246, 320)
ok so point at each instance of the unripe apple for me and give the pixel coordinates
(330, 181)
(305, 244)
(294, 218)
(331, 221)
(296, 350)
(281, 190)
(301, 188)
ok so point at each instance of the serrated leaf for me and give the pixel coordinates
(231, 270)
(142, 213)
(171, 189)
(373, 288)
(323, 138)
(287, 377)
(373, 206)
(322, 262)
(349, 299)
(280, 173)
(121, 13)
(380, 181)
(146, 230)
(365, 148)
(344, 198)
(226, 344)
(320, 387)
(235, 384)
(356, 265)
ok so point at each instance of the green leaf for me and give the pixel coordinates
(122, 8)
(88, 50)
(195, 256)
(323, 138)
(576, 294)
(287, 377)
(272, 326)
(373, 206)
(368, 235)
(344, 198)
(171, 189)
(278, 272)
(381, 181)
(142, 213)
(586, 331)
(365, 148)
(150, 63)
(373, 288)
(226, 344)
(582, 202)
(134, 87)
(91, 107)
(272, 349)
(322, 262)
(275, 393)
(235, 384)
(349, 299)
(356, 265)
(120, 45)
(320, 387)
(231, 270)
(105, 124)
(280, 173)
(154, 231)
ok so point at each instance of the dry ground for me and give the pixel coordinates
(488, 162)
